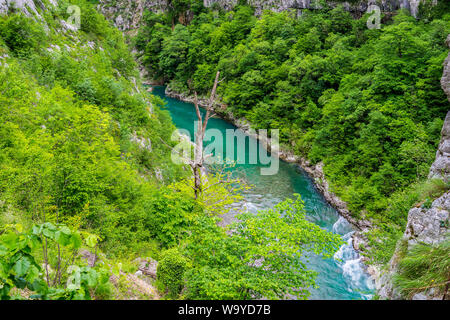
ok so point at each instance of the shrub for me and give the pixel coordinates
(21, 34)
(170, 272)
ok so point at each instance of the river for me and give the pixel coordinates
(342, 277)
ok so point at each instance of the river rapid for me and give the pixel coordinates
(342, 277)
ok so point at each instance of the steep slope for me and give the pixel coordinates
(80, 138)
(426, 224)
(98, 68)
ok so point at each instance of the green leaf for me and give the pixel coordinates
(62, 238)
(3, 250)
(91, 241)
(21, 267)
(76, 240)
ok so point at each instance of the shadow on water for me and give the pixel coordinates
(341, 277)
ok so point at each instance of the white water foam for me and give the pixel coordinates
(352, 270)
(341, 226)
(250, 207)
(349, 260)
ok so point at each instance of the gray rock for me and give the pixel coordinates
(419, 296)
(441, 167)
(90, 257)
(147, 266)
(445, 80)
(429, 225)
(26, 6)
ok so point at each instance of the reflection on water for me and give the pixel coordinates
(341, 277)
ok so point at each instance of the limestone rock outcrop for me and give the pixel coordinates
(128, 14)
(441, 166)
(428, 226)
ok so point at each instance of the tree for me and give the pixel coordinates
(259, 256)
(177, 10)
(197, 163)
(174, 52)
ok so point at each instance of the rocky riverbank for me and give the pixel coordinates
(422, 224)
(314, 171)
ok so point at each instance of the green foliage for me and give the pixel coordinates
(171, 270)
(424, 267)
(219, 189)
(21, 34)
(71, 121)
(368, 103)
(80, 143)
(162, 215)
(249, 259)
(19, 267)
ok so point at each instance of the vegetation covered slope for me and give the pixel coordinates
(87, 184)
(366, 102)
(80, 137)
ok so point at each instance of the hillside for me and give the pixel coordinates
(91, 204)
(80, 142)
(128, 15)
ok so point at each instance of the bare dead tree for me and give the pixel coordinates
(199, 159)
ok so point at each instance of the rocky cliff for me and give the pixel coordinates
(426, 225)
(441, 167)
(127, 14)
(28, 7)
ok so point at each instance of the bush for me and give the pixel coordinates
(21, 34)
(170, 272)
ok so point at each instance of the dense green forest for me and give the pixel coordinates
(366, 102)
(83, 172)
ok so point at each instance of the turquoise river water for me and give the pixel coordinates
(342, 277)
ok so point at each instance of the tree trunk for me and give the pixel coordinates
(197, 164)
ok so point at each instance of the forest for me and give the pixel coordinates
(365, 102)
(87, 186)
(83, 172)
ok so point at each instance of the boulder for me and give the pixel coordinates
(147, 266)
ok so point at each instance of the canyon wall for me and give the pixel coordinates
(127, 14)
